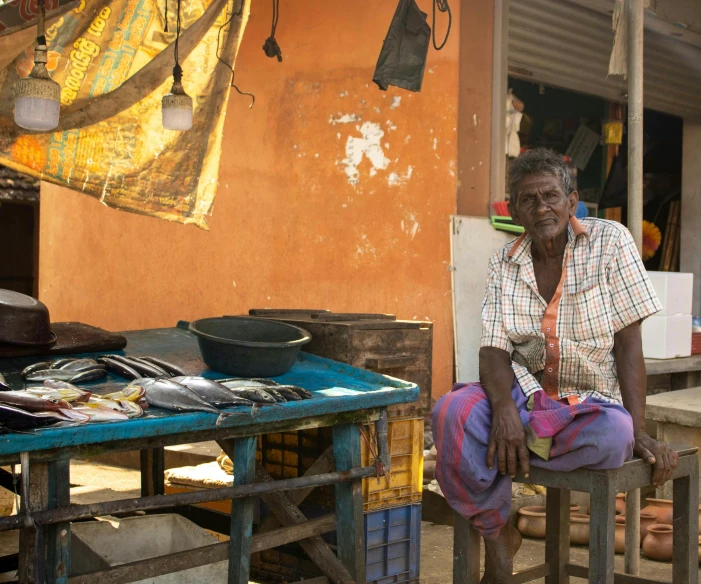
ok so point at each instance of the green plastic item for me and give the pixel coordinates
(506, 224)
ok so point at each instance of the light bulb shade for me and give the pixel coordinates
(37, 97)
(176, 108)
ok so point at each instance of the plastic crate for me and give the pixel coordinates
(393, 545)
(290, 454)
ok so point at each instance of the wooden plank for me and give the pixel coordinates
(531, 574)
(602, 529)
(685, 562)
(58, 537)
(557, 535)
(244, 459)
(152, 471)
(632, 554)
(316, 548)
(466, 552)
(35, 496)
(576, 571)
(218, 552)
(350, 533)
(677, 365)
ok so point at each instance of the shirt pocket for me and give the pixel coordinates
(587, 314)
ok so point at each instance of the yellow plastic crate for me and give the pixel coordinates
(405, 482)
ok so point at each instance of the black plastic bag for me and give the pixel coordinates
(403, 56)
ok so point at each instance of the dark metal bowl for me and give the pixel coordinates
(248, 347)
(24, 320)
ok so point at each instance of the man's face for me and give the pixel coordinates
(541, 206)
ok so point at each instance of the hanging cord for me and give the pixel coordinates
(41, 18)
(271, 48)
(233, 73)
(380, 470)
(165, 27)
(442, 7)
(177, 70)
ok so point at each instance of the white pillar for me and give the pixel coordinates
(690, 258)
(635, 15)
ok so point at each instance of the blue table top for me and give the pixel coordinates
(336, 388)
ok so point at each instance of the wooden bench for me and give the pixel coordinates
(602, 485)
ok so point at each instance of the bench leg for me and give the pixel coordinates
(466, 552)
(685, 563)
(557, 535)
(602, 529)
(632, 562)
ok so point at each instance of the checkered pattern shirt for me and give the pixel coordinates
(566, 347)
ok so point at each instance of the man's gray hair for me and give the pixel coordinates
(539, 161)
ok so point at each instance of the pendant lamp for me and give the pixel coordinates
(176, 106)
(37, 96)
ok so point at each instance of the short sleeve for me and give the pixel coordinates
(633, 298)
(493, 330)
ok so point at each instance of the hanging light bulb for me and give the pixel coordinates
(37, 96)
(176, 106)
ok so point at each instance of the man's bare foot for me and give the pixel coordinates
(499, 556)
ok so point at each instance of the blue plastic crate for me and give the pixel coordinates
(393, 540)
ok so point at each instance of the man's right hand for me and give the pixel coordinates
(507, 441)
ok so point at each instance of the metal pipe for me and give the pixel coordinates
(635, 15)
(76, 512)
(382, 431)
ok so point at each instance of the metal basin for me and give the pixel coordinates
(248, 347)
(24, 320)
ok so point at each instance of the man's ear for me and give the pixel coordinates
(573, 201)
(513, 212)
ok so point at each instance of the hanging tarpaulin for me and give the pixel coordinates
(114, 63)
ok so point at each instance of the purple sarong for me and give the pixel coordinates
(593, 434)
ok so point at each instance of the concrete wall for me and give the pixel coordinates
(690, 248)
(332, 193)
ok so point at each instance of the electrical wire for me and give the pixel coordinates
(233, 73)
(442, 7)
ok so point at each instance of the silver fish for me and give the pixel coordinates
(170, 395)
(251, 381)
(35, 367)
(238, 383)
(142, 367)
(169, 367)
(61, 362)
(212, 392)
(88, 375)
(300, 391)
(275, 393)
(55, 374)
(255, 394)
(289, 393)
(80, 365)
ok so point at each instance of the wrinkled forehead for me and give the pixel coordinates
(538, 182)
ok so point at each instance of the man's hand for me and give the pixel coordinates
(508, 441)
(658, 454)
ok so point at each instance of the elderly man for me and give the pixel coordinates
(562, 377)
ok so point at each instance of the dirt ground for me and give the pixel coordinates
(91, 482)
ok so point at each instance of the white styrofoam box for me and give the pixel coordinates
(97, 545)
(666, 337)
(675, 291)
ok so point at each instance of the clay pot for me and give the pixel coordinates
(647, 518)
(531, 521)
(429, 470)
(658, 543)
(579, 529)
(620, 535)
(620, 504)
(662, 508)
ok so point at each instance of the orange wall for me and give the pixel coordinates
(288, 229)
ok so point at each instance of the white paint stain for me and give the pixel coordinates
(435, 143)
(364, 247)
(390, 126)
(410, 225)
(234, 283)
(397, 179)
(368, 146)
(396, 100)
(387, 145)
(474, 120)
(408, 137)
(377, 110)
(344, 94)
(316, 155)
(344, 119)
(430, 70)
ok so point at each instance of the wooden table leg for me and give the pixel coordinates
(152, 471)
(350, 532)
(244, 460)
(58, 537)
(35, 497)
(557, 535)
(466, 552)
(685, 564)
(602, 529)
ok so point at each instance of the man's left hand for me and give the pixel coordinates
(658, 454)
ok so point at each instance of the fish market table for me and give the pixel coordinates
(343, 398)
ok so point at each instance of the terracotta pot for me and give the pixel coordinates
(579, 529)
(658, 543)
(429, 470)
(620, 536)
(531, 521)
(662, 508)
(647, 518)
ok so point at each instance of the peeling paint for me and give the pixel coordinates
(377, 110)
(408, 137)
(396, 100)
(410, 225)
(396, 179)
(435, 143)
(367, 146)
(474, 120)
(344, 119)
(344, 94)
(390, 125)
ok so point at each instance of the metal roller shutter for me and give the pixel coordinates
(562, 44)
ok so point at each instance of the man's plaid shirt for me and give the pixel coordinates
(566, 347)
